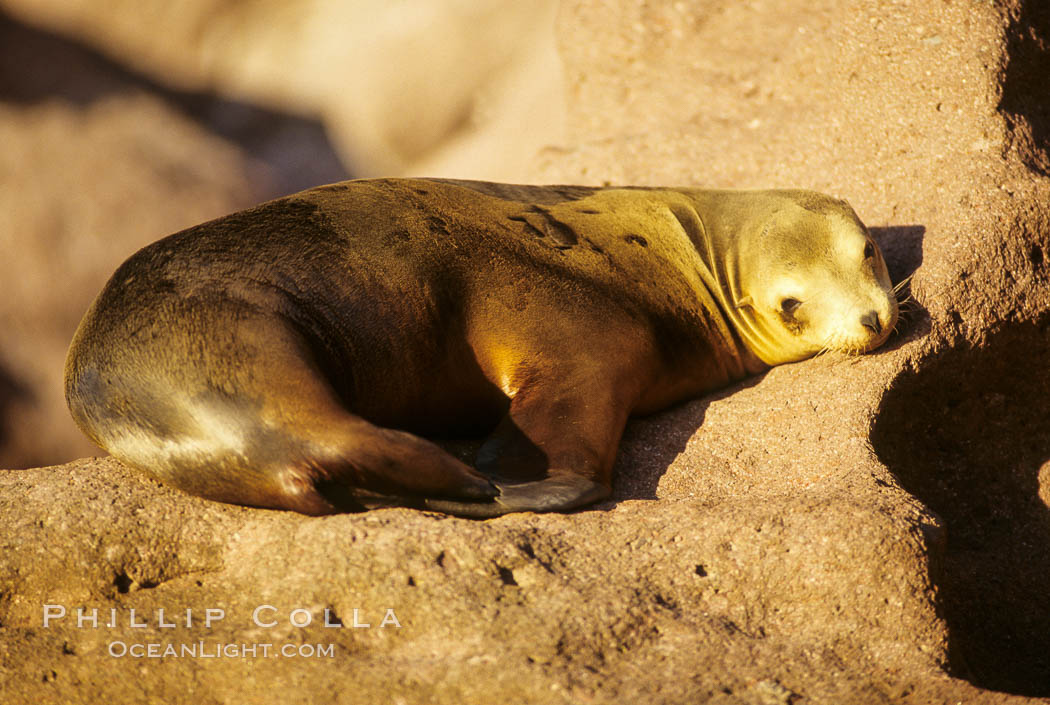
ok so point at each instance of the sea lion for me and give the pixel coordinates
(294, 355)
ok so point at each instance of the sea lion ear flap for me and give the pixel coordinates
(745, 302)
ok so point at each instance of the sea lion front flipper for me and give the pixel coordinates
(562, 492)
(555, 449)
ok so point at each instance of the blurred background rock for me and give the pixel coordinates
(123, 121)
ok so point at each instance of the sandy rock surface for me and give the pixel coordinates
(835, 531)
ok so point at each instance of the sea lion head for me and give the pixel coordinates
(811, 279)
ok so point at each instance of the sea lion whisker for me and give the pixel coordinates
(902, 283)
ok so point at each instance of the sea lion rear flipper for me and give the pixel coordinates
(270, 431)
(394, 464)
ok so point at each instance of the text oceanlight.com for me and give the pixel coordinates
(201, 649)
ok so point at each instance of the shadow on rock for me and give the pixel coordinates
(968, 433)
(1026, 108)
(901, 246)
(651, 443)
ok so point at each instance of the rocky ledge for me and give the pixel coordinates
(871, 529)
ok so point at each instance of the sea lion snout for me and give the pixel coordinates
(865, 325)
(870, 320)
(876, 326)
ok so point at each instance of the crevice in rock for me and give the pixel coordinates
(506, 575)
(125, 583)
(1023, 103)
(968, 433)
(331, 617)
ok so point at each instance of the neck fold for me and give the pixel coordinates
(715, 244)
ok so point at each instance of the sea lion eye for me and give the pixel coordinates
(869, 250)
(789, 305)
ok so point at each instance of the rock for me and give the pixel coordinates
(84, 189)
(926, 121)
(457, 88)
(537, 607)
(869, 529)
(96, 163)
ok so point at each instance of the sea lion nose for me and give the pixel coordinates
(870, 320)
